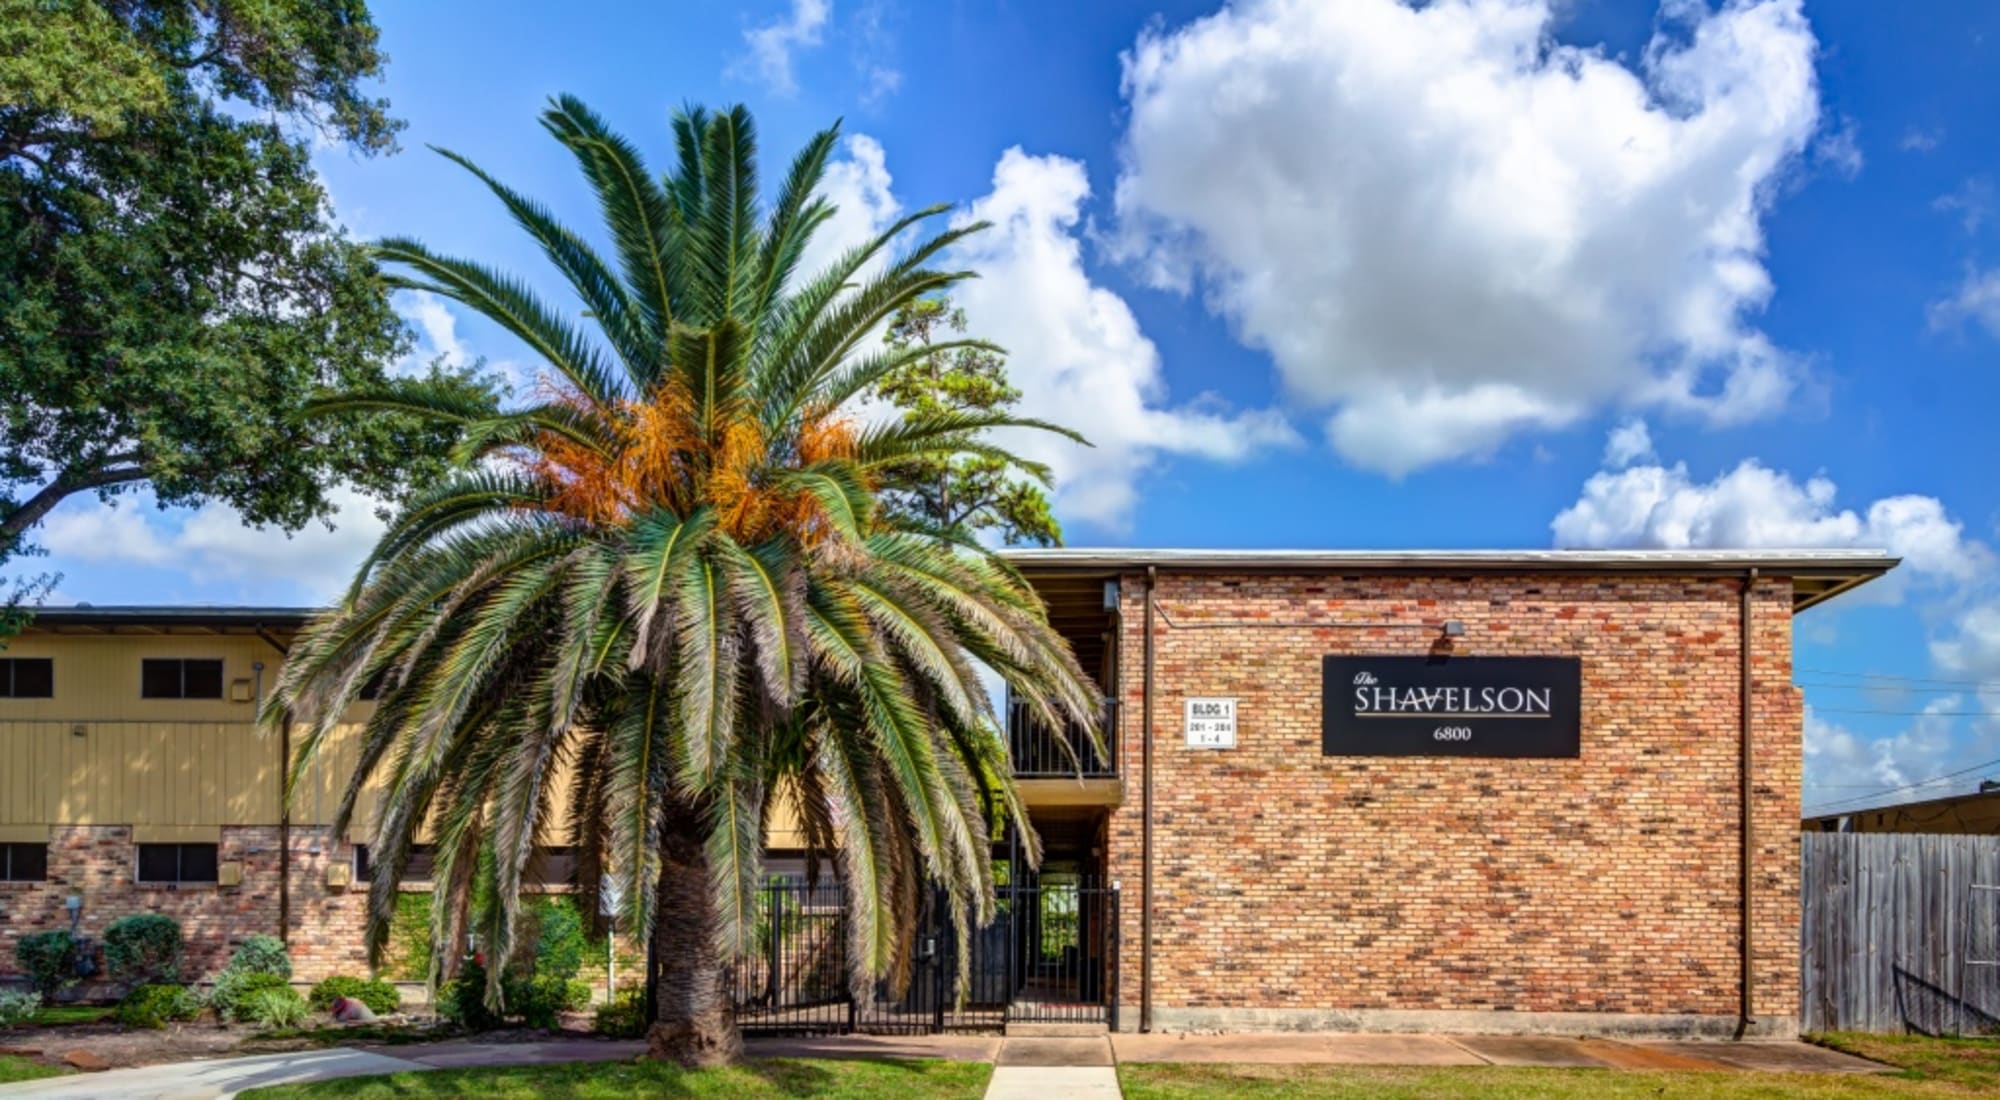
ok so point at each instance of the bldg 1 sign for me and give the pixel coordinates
(1452, 706)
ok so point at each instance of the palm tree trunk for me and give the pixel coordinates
(693, 1021)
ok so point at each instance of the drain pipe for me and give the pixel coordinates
(1746, 771)
(1146, 821)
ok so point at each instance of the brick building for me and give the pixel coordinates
(1306, 877)
(1529, 816)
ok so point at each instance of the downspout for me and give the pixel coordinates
(1746, 769)
(284, 798)
(1146, 820)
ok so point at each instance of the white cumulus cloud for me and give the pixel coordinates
(1753, 506)
(1449, 229)
(1977, 299)
(772, 44)
(1629, 442)
(1075, 349)
(214, 549)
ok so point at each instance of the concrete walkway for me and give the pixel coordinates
(219, 1078)
(1354, 1049)
(1042, 1069)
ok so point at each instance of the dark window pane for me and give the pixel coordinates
(362, 868)
(160, 679)
(159, 862)
(202, 679)
(27, 862)
(34, 677)
(197, 863)
(551, 867)
(422, 856)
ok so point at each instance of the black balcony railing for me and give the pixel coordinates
(1040, 753)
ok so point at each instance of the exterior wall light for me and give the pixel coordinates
(1454, 628)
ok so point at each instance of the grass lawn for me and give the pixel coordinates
(1972, 1063)
(753, 1080)
(21, 1069)
(65, 1015)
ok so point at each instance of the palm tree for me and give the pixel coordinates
(665, 586)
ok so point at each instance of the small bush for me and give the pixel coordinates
(155, 1006)
(462, 1000)
(623, 1017)
(380, 997)
(48, 959)
(18, 1006)
(144, 948)
(409, 954)
(274, 1007)
(262, 954)
(559, 938)
(235, 988)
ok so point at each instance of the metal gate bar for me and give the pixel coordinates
(1048, 956)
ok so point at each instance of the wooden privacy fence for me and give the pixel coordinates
(1900, 933)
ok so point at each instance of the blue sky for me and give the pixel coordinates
(1506, 274)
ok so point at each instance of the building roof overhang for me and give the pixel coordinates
(1816, 575)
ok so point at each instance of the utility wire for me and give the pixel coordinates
(1897, 679)
(1827, 806)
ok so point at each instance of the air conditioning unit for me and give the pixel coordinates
(229, 874)
(339, 875)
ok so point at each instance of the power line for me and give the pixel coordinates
(1880, 687)
(1911, 713)
(1897, 679)
(1825, 806)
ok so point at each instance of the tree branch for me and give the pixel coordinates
(66, 484)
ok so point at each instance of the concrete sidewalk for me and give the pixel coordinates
(218, 1078)
(1043, 1069)
(1356, 1049)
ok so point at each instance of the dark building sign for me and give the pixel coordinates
(1453, 706)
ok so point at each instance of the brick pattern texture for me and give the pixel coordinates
(1285, 879)
(97, 863)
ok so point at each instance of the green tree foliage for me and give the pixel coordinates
(669, 573)
(173, 290)
(968, 494)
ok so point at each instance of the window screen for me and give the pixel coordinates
(27, 677)
(174, 864)
(24, 862)
(174, 678)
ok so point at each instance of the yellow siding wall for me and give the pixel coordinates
(98, 754)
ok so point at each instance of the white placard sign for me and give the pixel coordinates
(1211, 723)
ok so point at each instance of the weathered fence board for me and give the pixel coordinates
(1892, 930)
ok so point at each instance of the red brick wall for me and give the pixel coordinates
(97, 863)
(1287, 880)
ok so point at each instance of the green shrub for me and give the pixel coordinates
(235, 988)
(144, 948)
(48, 959)
(380, 997)
(623, 1017)
(559, 939)
(274, 1007)
(262, 954)
(462, 1000)
(154, 1006)
(410, 938)
(18, 1006)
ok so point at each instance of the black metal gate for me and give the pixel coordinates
(1047, 957)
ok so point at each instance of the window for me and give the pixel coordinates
(24, 862)
(27, 678)
(180, 679)
(176, 864)
(550, 867)
(362, 867)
